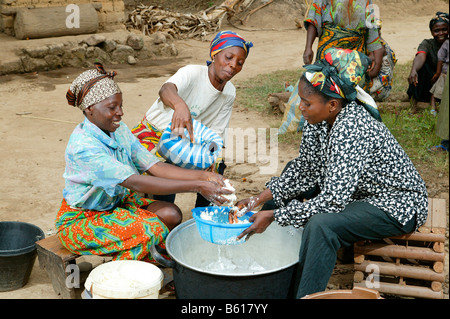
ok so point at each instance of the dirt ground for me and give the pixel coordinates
(33, 145)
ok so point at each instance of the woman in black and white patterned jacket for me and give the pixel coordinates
(359, 182)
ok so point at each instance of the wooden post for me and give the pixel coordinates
(410, 259)
(397, 251)
(402, 271)
(405, 290)
(54, 258)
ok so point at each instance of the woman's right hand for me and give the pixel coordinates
(413, 77)
(182, 119)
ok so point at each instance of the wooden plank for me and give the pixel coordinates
(56, 271)
(53, 245)
(439, 220)
(405, 290)
(426, 228)
(398, 251)
(408, 271)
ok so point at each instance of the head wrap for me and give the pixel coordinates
(227, 39)
(338, 75)
(439, 17)
(92, 87)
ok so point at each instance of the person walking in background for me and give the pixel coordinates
(341, 24)
(347, 25)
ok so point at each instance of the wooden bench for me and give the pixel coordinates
(55, 259)
(411, 265)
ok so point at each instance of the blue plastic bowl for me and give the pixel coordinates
(218, 230)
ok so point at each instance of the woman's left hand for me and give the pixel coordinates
(214, 177)
(261, 220)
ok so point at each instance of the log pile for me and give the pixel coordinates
(411, 265)
(151, 19)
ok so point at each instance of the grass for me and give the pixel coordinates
(416, 133)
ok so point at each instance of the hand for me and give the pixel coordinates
(214, 177)
(308, 56)
(261, 221)
(371, 66)
(434, 78)
(413, 78)
(371, 70)
(248, 203)
(213, 191)
(182, 119)
(372, 73)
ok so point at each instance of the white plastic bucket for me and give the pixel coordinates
(125, 279)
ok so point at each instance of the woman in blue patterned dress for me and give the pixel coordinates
(102, 212)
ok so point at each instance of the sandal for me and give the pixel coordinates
(170, 286)
(438, 149)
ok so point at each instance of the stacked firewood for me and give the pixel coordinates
(151, 19)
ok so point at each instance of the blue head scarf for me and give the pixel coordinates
(227, 39)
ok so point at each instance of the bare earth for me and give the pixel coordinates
(33, 147)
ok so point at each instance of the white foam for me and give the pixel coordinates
(231, 198)
(229, 263)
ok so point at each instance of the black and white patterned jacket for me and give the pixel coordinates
(357, 160)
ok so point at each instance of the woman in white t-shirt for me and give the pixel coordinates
(199, 92)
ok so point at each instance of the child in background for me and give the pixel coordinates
(439, 77)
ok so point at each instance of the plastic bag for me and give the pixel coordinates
(181, 152)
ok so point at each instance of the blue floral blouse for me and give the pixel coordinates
(97, 163)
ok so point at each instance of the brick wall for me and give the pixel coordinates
(111, 15)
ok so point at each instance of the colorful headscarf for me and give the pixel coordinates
(439, 17)
(338, 75)
(92, 87)
(227, 39)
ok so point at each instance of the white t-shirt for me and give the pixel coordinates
(208, 105)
